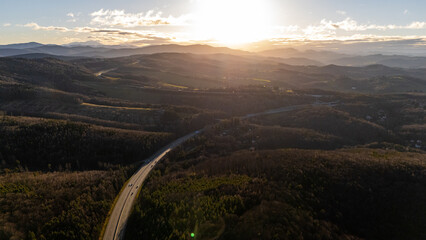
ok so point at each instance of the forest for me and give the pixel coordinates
(316, 173)
(285, 194)
(32, 144)
(342, 164)
(57, 205)
(58, 179)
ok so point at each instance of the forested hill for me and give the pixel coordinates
(46, 72)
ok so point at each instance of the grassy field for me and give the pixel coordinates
(115, 107)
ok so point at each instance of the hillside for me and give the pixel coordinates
(193, 71)
(46, 72)
(311, 173)
(320, 56)
(88, 122)
(226, 191)
(57, 205)
(212, 120)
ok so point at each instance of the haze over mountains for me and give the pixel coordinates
(107, 51)
(205, 67)
(289, 56)
(83, 108)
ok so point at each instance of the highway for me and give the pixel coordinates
(115, 228)
(117, 221)
(289, 108)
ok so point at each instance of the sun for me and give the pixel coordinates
(232, 21)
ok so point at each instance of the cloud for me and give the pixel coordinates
(357, 39)
(348, 31)
(123, 19)
(417, 25)
(327, 27)
(115, 30)
(341, 12)
(72, 17)
(35, 26)
(110, 36)
(7, 24)
(357, 44)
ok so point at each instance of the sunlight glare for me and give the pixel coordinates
(232, 21)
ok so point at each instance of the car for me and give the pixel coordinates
(130, 185)
(137, 187)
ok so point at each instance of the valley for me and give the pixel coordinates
(280, 144)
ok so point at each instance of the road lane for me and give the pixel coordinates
(117, 221)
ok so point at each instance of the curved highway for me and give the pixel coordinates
(115, 228)
(117, 221)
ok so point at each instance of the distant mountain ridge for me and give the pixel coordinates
(289, 56)
(329, 57)
(387, 60)
(108, 52)
(45, 55)
(21, 45)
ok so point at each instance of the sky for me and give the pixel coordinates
(256, 24)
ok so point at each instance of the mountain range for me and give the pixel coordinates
(107, 51)
(289, 56)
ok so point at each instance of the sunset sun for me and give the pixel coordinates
(232, 21)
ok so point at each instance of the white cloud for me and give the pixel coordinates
(116, 31)
(327, 27)
(7, 25)
(35, 26)
(341, 12)
(123, 19)
(417, 25)
(358, 44)
(110, 36)
(356, 39)
(72, 17)
(345, 30)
